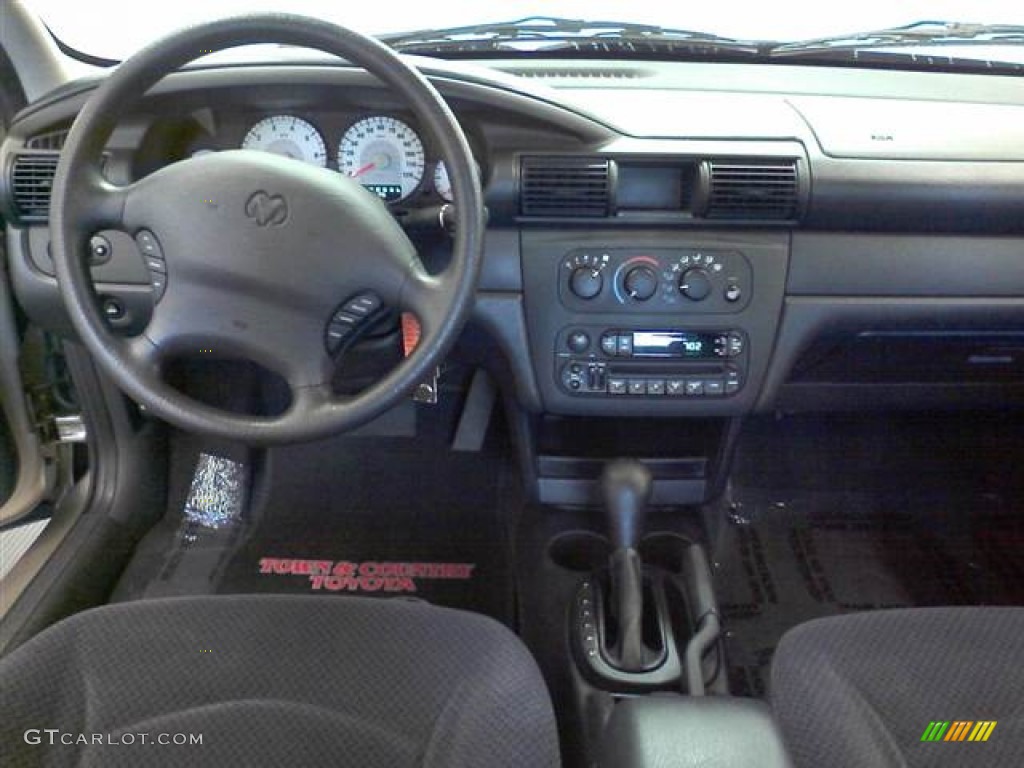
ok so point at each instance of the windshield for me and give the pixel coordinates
(96, 28)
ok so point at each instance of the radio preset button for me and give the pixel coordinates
(656, 387)
(675, 387)
(637, 387)
(617, 386)
(694, 387)
(610, 344)
(714, 387)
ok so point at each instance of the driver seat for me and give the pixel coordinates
(276, 680)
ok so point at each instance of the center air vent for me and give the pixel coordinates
(565, 187)
(750, 189)
(31, 184)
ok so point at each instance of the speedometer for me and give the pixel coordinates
(384, 155)
(288, 136)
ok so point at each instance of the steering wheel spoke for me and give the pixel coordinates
(143, 354)
(106, 202)
(425, 296)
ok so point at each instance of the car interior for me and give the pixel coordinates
(540, 393)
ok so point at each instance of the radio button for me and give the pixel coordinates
(694, 387)
(675, 387)
(578, 341)
(617, 386)
(610, 344)
(732, 387)
(735, 345)
(637, 387)
(714, 387)
(656, 387)
(624, 345)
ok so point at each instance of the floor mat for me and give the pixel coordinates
(376, 516)
(925, 528)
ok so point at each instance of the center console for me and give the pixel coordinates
(652, 323)
(646, 343)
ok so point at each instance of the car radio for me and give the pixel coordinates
(651, 362)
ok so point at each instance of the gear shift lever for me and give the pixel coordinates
(627, 489)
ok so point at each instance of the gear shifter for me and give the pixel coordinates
(627, 489)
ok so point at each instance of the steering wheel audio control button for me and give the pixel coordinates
(158, 282)
(156, 265)
(363, 305)
(346, 321)
(149, 245)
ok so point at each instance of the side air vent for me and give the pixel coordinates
(565, 187)
(51, 140)
(750, 189)
(31, 182)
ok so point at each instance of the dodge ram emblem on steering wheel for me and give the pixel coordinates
(267, 210)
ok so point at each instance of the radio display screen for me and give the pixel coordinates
(673, 344)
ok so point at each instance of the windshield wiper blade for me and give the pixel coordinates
(920, 33)
(547, 33)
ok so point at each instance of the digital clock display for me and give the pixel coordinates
(674, 344)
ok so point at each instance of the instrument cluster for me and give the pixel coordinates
(384, 153)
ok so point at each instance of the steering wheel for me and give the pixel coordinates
(260, 252)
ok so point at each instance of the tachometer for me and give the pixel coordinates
(384, 155)
(443, 184)
(288, 136)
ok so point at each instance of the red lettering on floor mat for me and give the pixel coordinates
(368, 576)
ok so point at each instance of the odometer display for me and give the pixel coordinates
(384, 155)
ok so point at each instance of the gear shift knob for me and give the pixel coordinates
(626, 485)
(627, 489)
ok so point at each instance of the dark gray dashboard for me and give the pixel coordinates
(837, 204)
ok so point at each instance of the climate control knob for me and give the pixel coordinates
(695, 284)
(586, 282)
(641, 283)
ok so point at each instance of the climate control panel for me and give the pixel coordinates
(676, 280)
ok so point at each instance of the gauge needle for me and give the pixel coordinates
(364, 169)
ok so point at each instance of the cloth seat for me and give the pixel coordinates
(275, 680)
(863, 689)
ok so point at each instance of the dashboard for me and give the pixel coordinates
(664, 240)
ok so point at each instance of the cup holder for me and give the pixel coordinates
(579, 551)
